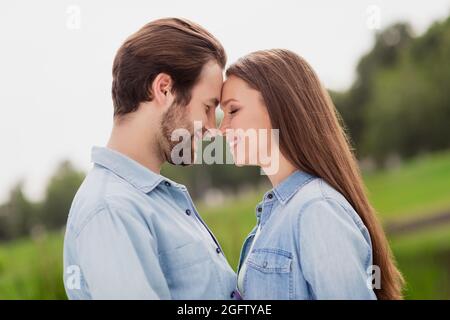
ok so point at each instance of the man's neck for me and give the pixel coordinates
(139, 142)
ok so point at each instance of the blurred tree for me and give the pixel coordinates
(352, 104)
(16, 215)
(409, 112)
(400, 102)
(60, 192)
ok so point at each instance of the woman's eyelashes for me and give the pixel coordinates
(233, 110)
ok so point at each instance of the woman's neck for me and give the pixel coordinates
(284, 170)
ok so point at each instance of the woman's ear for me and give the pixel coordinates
(161, 89)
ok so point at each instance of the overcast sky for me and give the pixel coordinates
(56, 57)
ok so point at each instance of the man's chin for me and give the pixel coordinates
(182, 162)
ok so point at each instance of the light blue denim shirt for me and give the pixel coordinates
(312, 245)
(134, 234)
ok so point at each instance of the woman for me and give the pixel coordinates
(317, 236)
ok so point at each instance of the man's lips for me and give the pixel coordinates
(207, 134)
(198, 135)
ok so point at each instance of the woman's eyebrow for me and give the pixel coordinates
(224, 103)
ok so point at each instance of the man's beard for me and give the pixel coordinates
(176, 117)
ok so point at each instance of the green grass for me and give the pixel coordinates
(424, 260)
(32, 269)
(419, 187)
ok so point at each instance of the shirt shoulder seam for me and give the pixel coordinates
(88, 219)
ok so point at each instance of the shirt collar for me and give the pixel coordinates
(282, 192)
(126, 168)
(289, 186)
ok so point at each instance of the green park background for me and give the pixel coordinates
(397, 115)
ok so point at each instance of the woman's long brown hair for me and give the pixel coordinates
(313, 140)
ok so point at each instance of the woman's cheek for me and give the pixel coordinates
(236, 123)
(233, 124)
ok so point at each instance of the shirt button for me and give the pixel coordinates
(167, 183)
(270, 196)
(188, 212)
(265, 264)
(259, 209)
(218, 250)
(232, 295)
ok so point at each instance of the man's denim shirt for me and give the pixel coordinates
(312, 245)
(133, 234)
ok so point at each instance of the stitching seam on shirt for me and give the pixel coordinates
(88, 219)
(284, 200)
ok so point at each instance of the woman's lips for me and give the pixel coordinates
(234, 141)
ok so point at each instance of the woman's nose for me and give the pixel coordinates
(224, 125)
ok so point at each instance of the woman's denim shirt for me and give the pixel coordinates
(312, 245)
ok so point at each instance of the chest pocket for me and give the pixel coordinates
(189, 271)
(184, 256)
(268, 275)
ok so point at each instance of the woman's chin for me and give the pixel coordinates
(242, 162)
(237, 162)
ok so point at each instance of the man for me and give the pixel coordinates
(132, 233)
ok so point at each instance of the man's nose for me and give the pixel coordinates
(210, 122)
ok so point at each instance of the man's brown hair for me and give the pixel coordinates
(174, 46)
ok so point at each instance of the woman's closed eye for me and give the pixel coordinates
(233, 110)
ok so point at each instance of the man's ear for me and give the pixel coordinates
(161, 88)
